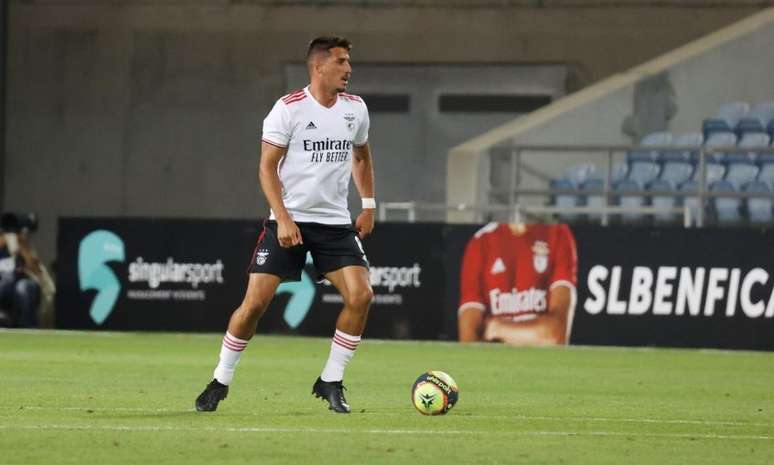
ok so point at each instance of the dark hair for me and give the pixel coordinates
(325, 44)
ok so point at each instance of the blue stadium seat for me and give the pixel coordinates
(619, 172)
(726, 208)
(578, 174)
(770, 129)
(692, 203)
(740, 174)
(759, 209)
(725, 119)
(715, 172)
(594, 200)
(732, 112)
(664, 201)
(691, 139)
(757, 119)
(630, 201)
(719, 140)
(752, 141)
(750, 124)
(676, 173)
(766, 175)
(714, 125)
(654, 139)
(565, 200)
(643, 172)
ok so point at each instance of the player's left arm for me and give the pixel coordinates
(363, 175)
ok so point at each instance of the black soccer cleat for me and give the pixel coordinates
(333, 392)
(212, 394)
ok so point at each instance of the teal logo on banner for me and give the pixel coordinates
(95, 250)
(301, 297)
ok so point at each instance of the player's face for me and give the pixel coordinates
(336, 69)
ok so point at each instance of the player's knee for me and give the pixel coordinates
(255, 306)
(360, 299)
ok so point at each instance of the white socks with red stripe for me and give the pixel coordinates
(342, 349)
(230, 352)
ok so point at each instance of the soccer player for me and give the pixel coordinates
(314, 140)
(517, 284)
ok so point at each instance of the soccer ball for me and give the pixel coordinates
(434, 393)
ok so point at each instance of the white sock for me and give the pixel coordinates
(230, 352)
(342, 349)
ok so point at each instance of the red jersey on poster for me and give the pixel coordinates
(508, 271)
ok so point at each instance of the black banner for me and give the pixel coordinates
(675, 287)
(190, 275)
(635, 286)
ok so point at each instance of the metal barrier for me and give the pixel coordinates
(517, 169)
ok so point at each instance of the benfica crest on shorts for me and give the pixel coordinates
(261, 256)
(540, 256)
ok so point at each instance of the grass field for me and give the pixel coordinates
(109, 398)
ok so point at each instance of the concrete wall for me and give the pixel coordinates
(153, 108)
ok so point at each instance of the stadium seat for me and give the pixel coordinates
(733, 111)
(643, 172)
(766, 175)
(740, 174)
(726, 119)
(715, 172)
(578, 174)
(759, 209)
(719, 140)
(664, 201)
(676, 173)
(630, 201)
(654, 139)
(692, 203)
(691, 139)
(565, 200)
(757, 119)
(620, 170)
(751, 141)
(594, 200)
(726, 208)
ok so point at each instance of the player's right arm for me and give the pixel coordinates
(288, 233)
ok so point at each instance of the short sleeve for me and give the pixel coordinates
(361, 136)
(566, 258)
(471, 292)
(276, 126)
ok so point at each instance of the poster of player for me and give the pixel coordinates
(517, 283)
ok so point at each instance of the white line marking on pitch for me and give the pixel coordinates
(374, 431)
(472, 417)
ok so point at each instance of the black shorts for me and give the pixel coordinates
(332, 247)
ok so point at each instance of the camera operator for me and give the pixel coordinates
(20, 272)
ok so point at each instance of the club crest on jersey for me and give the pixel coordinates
(261, 256)
(540, 256)
(350, 119)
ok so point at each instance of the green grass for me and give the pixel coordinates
(110, 398)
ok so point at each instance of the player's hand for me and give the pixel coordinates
(364, 224)
(491, 330)
(288, 233)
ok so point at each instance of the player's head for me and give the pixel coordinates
(328, 62)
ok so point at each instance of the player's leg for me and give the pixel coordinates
(241, 327)
(354, 285)
(270, 265)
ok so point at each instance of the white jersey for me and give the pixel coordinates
(316, 169)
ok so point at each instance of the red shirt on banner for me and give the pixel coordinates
(508, 270)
